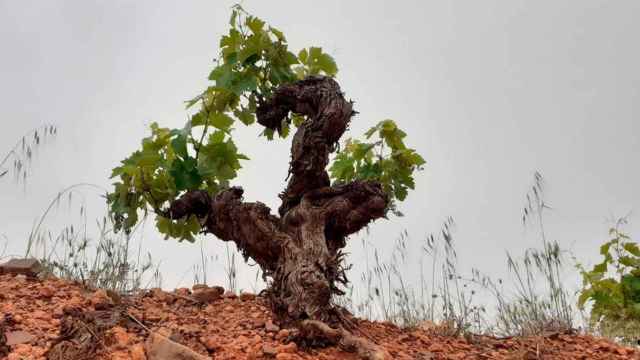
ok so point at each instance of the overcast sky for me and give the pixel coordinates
(488, 91)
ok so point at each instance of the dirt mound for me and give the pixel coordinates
(56, 319)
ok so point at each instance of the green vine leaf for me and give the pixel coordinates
(220, 121)
(185, 174)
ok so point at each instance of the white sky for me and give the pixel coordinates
(488, 91)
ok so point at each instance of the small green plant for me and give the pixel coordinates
(612, 287)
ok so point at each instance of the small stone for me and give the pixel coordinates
(120, 336)
(289, 348)
(255, 353)
(161, 295)
(242, 341)
(271, 327)
(437, 348)
(154, 315)
(206, 295)
(257, 323)
(219, 289)
(76, 302)
(47, 292)
(19, 337)
(245, 296)
(199, 287)
(282, 334)
(120, 355)
(159, 347)
(269, 350)
(23, 351)
(624, 351)
(100, 300)
(26, 267)
(137, 352)
(183, 291)
(229, 295)
(41, 315)
(211, 343)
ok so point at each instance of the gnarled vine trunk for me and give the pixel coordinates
(301, 249)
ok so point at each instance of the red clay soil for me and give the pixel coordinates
(229, 327)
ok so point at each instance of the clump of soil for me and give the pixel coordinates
(57, 319)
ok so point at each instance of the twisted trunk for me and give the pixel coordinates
(300, 250)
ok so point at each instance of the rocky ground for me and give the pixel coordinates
(56, 319)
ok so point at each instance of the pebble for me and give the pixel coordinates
(19, 337)
(47, 292)
(211, 343)
(101, 301)
(120, 336)
(199, 287)
(282, 334)
(289, 348)
(21, 267)
(271, 327)
(206, 295)
(137, 352)
(183, 291)
(244, 296)
(229, 295)
(269, 350)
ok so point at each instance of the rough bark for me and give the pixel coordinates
(256, 232)
(300, 250)
(328, 115)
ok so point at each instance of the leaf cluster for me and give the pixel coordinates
(613, 285)
(383, 157)
(254, 60)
